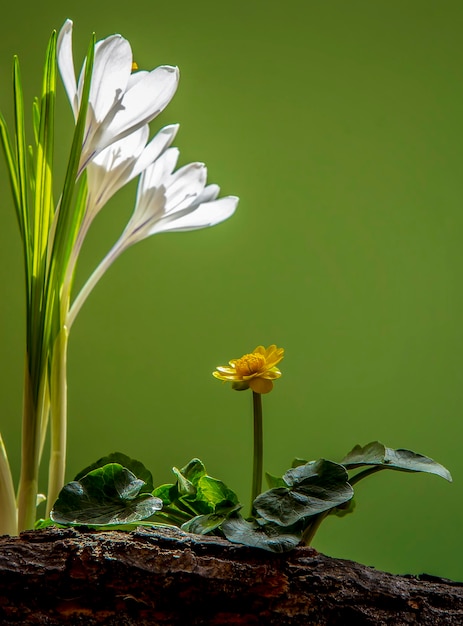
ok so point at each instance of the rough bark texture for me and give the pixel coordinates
(164, 577)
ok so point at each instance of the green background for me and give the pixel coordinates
(338, 123)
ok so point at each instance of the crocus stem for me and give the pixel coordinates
(112, 255)
(58, 395)
(33, 420)
(258, 447)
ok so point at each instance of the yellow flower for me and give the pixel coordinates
(255, 370)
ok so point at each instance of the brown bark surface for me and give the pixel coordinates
(166, 577)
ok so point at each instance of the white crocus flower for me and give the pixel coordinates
(119, 102)
(122, 161)
(167, 201)
(110, 170)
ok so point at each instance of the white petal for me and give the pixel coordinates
(159, 171)
(208, 194)
(206, 214)
(111, 71)
(66, 65)
(114, 167)
(136, 77)
(140, 104)
(185, 186)
(156, 146)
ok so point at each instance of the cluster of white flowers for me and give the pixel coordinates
(116, 149)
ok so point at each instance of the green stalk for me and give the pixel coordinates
(112, 255)
(30, 451)
(8, 511)
(368, 472)
(38, 216)
(309, 532)
(58, 398)
(258, 447)
(62, 235)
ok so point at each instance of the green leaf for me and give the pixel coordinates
(42, 523)
(204, 524)
(215, 493)
(108, 495)
(274, 481)
(193, 471)
(136, 467)
(344, 509)
(296, 462)
(312, 488)
(184, 486)
(13, 175)
(43, 182)
(376, 454)
(266, 536)
(167, 493)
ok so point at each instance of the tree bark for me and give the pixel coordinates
(166, 577)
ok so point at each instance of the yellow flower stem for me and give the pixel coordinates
(258, 447)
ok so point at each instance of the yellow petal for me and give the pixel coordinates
(261, 385)
(272, 374)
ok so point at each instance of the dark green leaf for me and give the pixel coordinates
(267, 536)
(312, 488)
(203, 524)
(344, 509)
(108, 495)
(376, 454)
(136, 467)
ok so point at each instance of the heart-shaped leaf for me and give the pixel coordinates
(111, 494)
(215, 493)
(312, 488)
(136, 467)
(196, 492)
(377, 454)
(267, 536)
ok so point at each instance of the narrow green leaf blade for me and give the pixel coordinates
(377, 454)
(69, 218)
(108, 495)
(12, 171)
(43, 181)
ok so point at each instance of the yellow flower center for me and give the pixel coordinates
(249, 364)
